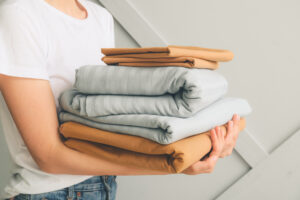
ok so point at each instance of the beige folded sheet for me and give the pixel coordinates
(216, 55)
(158, 62)
(137, 151)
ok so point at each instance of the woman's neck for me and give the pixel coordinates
(70, 7)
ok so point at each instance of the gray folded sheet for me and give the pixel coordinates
(162, 129)
(102, 90)
(163, 104)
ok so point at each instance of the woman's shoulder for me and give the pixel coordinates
(15, 8)
(19, 4)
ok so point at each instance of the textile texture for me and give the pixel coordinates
(171, 51)
(137, 151)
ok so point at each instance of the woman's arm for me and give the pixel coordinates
(33, 109)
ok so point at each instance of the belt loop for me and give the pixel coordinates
(70, 192)
(106, 185)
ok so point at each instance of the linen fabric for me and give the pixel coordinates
(38, 41)
(133, 151)
(161, 129)
(101, 90)
(188, 62)
(171, 51)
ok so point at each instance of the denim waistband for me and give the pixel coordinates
(92, 186)
(93, 183)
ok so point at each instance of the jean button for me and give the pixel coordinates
(78, 194)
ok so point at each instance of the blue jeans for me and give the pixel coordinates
(96, 187)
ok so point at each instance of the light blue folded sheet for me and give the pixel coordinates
(102, 90)
(162, 129)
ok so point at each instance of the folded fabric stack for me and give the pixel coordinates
(172, 55)
(155, 118)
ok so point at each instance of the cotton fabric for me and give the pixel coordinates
(101, 90)
(161, 129)
(133, 151)
(170, 51)
(188, 62)
(38, 41)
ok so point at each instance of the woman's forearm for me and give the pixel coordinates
(64, 160)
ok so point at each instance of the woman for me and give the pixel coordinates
(42, 43)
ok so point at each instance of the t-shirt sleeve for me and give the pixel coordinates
(22, 44)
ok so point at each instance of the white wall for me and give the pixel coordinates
(264, 35)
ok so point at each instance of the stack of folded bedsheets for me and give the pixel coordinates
(155, 118)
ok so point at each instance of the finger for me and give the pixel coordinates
(229, 134)
(226, 153)
(215, 143)
(220, 134)
(236, 119)
(223, 133)
(236, 125)
(205, 166)
(209, 163)
(213, 136)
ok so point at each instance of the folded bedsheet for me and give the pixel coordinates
(161, 129)
(170, 51)
(102, 90)
(188, 62)
(137, 151)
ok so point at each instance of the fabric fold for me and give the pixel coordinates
(171, 51)
(161, 129)
(168, 91)
(137, 151)
(188, 62)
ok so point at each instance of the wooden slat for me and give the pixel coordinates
(249, 149)
(134, 23)
(277, 177)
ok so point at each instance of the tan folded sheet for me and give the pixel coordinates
(170, 51)
(137, 151)
(158, 62)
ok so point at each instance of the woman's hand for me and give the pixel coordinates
(208, 163)
(231, 136)
(222, 146)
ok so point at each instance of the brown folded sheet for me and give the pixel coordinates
(158, 62)
(171, 51)
(137, 151)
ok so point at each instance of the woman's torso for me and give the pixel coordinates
(66, 44)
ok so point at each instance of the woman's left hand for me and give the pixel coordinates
(231, 136)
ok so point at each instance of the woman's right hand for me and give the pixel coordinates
(207, 165)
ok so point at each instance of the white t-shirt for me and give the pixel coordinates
(39, 41)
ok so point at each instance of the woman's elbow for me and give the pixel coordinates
(48, 167)
(49, 161)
